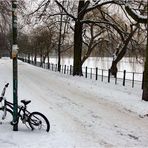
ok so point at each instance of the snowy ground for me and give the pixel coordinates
(83, 113)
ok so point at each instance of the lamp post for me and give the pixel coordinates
(14, 57)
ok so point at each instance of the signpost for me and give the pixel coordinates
(14, 57)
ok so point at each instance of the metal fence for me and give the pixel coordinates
(95, 73)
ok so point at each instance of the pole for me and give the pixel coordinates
(14, 56)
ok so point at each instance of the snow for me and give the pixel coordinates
(128, 64)
(135, 13)
(82, 112)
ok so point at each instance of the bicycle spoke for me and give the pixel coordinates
(39, 122)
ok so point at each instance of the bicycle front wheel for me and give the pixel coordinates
(6, 116)
(37, 121)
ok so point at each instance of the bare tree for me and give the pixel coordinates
(82, 10)
(144, 20)
(91, 38)
(5, 21)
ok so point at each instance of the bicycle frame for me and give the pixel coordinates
(3, 98)
(23, 116)
(6, 103)
(22, 113)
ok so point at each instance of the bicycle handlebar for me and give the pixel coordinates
(7, 85)
(3, 92)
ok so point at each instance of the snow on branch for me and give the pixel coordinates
(84, 8)
(137, 17)
(58, 3)
(99, 3)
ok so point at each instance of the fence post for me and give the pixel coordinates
(86, 72)
(70, 69)
(52, 66)
(142, 81)
(91, 73)
(116, 79)
(124, 75)
(32, 60)
(102, 76)
(55, 67)
(45, 65)
(133, 79)
(48, 65)
(109, 76)
(28, 58)
(96, 73)
(65, 69)
(61, 68)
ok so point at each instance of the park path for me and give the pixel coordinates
(78, 116)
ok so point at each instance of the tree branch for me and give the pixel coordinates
(101, 4)
(65, 10)
(138, 18)
(109, 23)
(82, 12)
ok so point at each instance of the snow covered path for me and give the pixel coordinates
(79, 114)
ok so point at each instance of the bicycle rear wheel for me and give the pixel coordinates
(37, 121)
(6, 118)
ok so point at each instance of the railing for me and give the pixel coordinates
(95, 73)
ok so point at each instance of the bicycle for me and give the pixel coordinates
(33, 120)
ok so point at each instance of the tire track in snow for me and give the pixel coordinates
(84, 111)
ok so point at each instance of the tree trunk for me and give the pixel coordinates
(144, 21)
(114, 69)
(77, 49)
(41, 58)
(121, 54)
(145, 86)
(77, 64)
(59, 44)
(35, 56)
(29, 58)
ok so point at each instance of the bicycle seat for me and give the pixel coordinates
(25, 102)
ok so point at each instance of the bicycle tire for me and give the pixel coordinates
(7, 119)
(38, 121)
